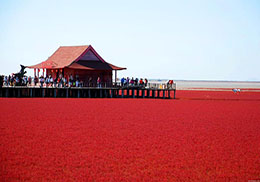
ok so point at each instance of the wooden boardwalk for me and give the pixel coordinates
(87, 92)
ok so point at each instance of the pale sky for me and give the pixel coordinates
(182, 39)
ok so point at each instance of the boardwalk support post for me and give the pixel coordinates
(122, 93)
(100, 91)
(78, 93)
(6, 92)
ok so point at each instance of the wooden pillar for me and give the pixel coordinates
(105, 92)
(111, 95)
(6, 92)
(18, 92)
(78, 93)
(89, 93)
(100, 91)
(163, 94)
(115, 76)
(133, 93)
(67, 92)
(43, 92)
(95, 93)
(122, 93)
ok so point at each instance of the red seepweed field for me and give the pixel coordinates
(200, 136)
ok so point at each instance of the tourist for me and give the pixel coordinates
(42, 81)
(90, 82)
(12, 80)
(127, 81)
(141, 82)
(29, 81)
(81, 83)
(145, 82)
(51, 80)
(17, 81)
(25, 78)
(9, 80)
(169, 84)
(122, 81)
(55, 82)
(132, 81)
(70, 80)
(46, 81)
(5, 81)
(35, 80)
(64, 82)
(136, 81)
(99, 82)
(59, 82)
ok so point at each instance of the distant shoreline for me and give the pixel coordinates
(204, 80)
(210, 85)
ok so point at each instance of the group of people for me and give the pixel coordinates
(49, 81)
(59, 81)
(16, 81)
(134, 82)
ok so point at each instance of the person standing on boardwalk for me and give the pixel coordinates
(35, 80)
(122, 81)
(90, 82)
(145, 82)
(29, 80)
(99, 82)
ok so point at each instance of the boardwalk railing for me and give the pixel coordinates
(155, 85)
(88, 92)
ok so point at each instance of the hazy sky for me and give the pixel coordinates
(182, 39)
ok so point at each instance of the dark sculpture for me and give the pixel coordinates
(1, 80)
(21, 74)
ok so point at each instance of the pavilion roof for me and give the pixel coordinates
(76, 57)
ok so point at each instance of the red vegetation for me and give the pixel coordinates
(201, 136)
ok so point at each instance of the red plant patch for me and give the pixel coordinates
(202, 139)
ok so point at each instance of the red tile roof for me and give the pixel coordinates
(69, 56)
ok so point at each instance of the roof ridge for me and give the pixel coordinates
(76, 46)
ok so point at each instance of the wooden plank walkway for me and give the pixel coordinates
(87, 92)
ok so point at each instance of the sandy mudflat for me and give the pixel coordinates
(217, 84)
(210, 85)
